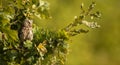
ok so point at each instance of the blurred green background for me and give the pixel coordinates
(99, 46)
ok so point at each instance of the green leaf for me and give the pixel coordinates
(36, 2)
(28, 44)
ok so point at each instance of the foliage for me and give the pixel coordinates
(52, 46)
(82, 20)
(47, 47)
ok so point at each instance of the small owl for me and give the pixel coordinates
(26, 32)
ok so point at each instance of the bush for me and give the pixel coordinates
(24, 43)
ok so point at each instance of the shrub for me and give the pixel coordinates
(45, 47)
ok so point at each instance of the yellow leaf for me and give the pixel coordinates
(42, 48)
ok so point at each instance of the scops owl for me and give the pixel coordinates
(26, 32)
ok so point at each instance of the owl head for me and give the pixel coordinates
(27, 23)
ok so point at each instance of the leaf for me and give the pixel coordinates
(36, 2)
(28, 44)
(41, 47)
(91, 24)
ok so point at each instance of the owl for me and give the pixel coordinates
(26, 32)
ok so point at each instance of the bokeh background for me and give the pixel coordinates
(98, 47)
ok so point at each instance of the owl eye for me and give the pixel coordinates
(30, 21)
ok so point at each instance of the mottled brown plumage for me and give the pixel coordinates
(25, 32)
